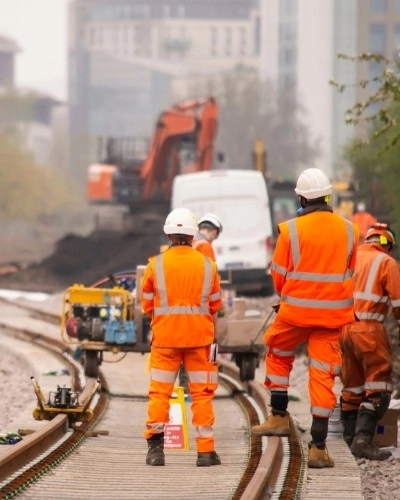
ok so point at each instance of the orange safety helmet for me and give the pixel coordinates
(381, 233)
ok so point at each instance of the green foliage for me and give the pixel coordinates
(379, 111)
(374, 158)
(28, 192)
(250, 109)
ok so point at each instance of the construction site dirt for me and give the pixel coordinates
(77, 259)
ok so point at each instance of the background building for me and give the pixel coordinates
(129, 59)
(300, 43)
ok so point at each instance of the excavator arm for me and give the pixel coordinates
(183, 142)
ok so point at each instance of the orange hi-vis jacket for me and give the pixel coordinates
(312, 269)
(376, 282)
(181, 292)
(201, 243)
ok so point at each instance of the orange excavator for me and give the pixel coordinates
(134, 176)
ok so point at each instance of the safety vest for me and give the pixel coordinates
(312, 269)
(181, 291)
(376, 282)
(201, 243)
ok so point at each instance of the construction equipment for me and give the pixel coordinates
(109, 318)
(65, 401)
(130, 175)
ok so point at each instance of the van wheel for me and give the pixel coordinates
(247, 364)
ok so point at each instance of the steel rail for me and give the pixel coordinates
(258, 482)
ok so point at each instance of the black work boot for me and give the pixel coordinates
(349, 419)
(207, 459)
(362, 446)
(155, 453)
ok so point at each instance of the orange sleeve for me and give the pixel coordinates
(352, 261)
(147, 290)
(206, 249)
(280, 259)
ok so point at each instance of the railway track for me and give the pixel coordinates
(105, 458)
(63, 440)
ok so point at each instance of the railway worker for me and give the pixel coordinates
(367, 363)
(363, 219)
(182, 295)
(210, 228)
(312, 269)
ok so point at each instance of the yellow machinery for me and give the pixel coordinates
(98, 320)
(63, 401)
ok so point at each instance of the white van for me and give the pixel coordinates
(240, 199)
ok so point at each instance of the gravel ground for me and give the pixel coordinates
(14, 393)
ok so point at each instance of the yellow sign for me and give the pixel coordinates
(176, 431)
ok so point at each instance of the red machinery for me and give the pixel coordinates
(183, 142)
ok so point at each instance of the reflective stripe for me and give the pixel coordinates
(379, 386)
(204, 431)
(215, 296)
(294, 242)
(165, 376)
(203, 376)
(165, 308)
(355, 390)
(148, 295)
(276, 379)
(371, 297)
(157, 426)
(283, 353)
(370, 316)
(395, 303)
(321, 412)
(326, 304)
(368, 406)
(278, 269)
(314, 363)
(180, 310)
(320, 277)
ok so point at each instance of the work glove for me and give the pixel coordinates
(276, 307)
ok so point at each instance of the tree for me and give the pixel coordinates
(28, 192)
(250, 109)
(374, 157)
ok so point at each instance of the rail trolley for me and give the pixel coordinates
(108, 317)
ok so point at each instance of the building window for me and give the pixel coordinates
(213, 41)
(242, 42)
(377, 38)
(396, 42)
(228, 41)
(181, 10)
(166, 10)
(378, 5)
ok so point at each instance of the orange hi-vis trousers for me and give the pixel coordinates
(203, 382)
(281, 340)
(367, 362)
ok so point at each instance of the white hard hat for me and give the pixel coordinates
(181, 221)
(211, 219)
(313, 183)
(361, 206)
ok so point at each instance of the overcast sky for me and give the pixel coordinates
(40, 29)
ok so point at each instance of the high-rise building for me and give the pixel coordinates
(125, 56)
